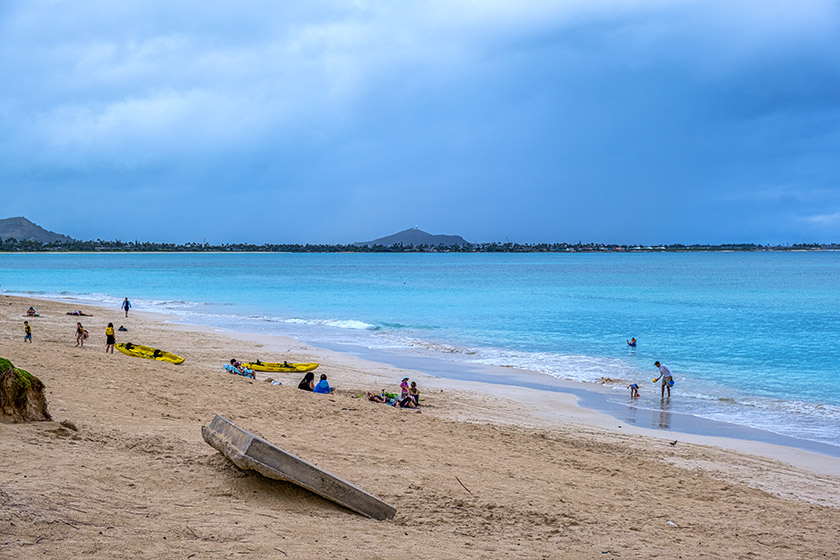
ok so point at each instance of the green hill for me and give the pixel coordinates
(23, 230)
(415, 237)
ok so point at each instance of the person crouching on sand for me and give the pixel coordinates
(109, 338)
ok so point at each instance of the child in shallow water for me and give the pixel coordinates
(634, 390)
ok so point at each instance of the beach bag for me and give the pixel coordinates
(671, 382)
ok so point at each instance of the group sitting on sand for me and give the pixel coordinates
(308, 384)
(409, 396)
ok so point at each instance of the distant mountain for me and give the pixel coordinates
(24, 230)
(416, 237)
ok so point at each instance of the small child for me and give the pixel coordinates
(634, 390)
(28, 330)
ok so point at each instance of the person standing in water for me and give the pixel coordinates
(666, 377)
(126, 305)
(632, 342)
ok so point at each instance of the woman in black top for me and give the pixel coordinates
(308, 382)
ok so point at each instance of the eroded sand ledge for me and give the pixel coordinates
(545, 480)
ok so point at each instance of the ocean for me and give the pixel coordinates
(750, 337)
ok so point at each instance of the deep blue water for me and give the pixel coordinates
(751, 337)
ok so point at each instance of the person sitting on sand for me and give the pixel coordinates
(80, 335)
(242, 369)
(632, 342)
(323, 387)
(31, 312)
(407, 402)
(414, 393)
(308, 382)
(634, 390)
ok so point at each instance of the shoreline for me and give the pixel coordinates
(527, 387)
(737, 411)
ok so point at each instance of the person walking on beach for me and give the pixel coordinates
(126, 305)
(666, 377)
(27, 337)
(109, 338)
(80, 335)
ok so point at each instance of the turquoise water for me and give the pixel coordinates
(751, 337)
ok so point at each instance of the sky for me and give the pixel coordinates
(615, 121)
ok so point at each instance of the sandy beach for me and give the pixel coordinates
(484, 471)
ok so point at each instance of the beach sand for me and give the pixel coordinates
(483, 472)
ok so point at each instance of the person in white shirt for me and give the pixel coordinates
(666, 377)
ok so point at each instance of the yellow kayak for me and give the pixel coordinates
(280, 367)
(140, 351)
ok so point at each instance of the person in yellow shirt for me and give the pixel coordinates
(28, 332)
(109, 338)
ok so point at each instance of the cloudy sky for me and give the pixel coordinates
(263, 121)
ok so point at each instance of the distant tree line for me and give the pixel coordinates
(13, 245)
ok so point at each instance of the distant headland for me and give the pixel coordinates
(415, 237)
(20, 235)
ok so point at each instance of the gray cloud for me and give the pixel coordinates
(605, 120)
